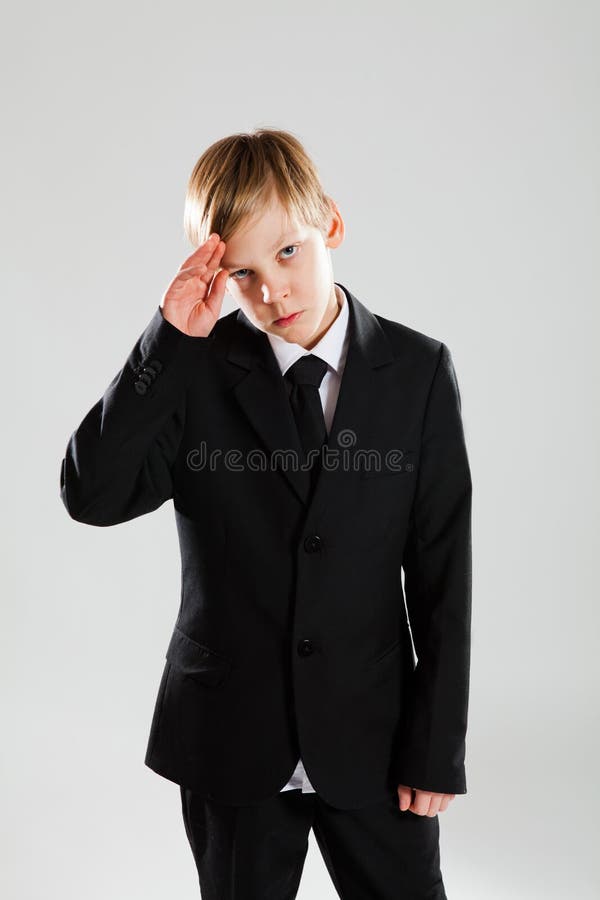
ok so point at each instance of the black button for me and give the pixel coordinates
(145, 378)
(305, 648)
(140, 387)
(313, 543)
(156, 364)
(148, 370)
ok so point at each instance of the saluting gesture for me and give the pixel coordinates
(193, 300)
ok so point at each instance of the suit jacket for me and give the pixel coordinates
(291, 638)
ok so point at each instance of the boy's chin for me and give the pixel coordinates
(286, 334)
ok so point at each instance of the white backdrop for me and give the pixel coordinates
(461, 141)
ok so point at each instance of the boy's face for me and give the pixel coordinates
(278, 267)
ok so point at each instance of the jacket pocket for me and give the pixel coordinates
(392, 648)
(197, 660)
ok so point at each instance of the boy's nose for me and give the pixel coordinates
(271, 294)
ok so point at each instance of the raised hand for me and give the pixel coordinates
(193, 300)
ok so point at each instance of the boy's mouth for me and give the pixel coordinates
(287, 320)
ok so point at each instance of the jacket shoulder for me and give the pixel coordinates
(404, 339)
(227, 321)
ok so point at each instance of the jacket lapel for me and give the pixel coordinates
(263, 398)
(368, 350)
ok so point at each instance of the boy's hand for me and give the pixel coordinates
(193, 300)
(425, 803)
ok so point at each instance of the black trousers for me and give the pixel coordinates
(258, 852)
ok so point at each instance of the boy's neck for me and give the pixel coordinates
(321, 334)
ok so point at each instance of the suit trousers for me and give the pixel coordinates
(257, 852)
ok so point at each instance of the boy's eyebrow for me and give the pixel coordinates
(232, 265)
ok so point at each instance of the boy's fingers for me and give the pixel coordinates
(190, 271)
(203, 253)
(216, 293)
(204, 271)
(404, 796)
(215, 258)
(434, 805)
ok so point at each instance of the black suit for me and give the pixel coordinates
(291, 636)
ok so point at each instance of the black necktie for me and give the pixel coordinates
(304, 379)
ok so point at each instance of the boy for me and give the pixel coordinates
(312, 451)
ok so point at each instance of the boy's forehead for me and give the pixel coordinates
(265, 232)
(270, 222)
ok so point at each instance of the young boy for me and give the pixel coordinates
(313, 450)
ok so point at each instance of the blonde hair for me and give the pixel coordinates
(236, 176)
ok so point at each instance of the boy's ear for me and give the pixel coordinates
(335, 234)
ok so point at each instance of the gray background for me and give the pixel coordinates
(461, 142)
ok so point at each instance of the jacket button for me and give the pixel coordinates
(305, 648)
(313, 543)
(140, 387)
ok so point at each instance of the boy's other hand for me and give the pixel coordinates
(425, 803)
(193, 300)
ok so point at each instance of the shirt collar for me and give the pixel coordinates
(331, 348)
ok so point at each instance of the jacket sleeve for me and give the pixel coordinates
(118, 462)
(437, 570)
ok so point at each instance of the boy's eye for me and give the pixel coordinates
(237, 273)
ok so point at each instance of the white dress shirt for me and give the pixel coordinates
(333, 349)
